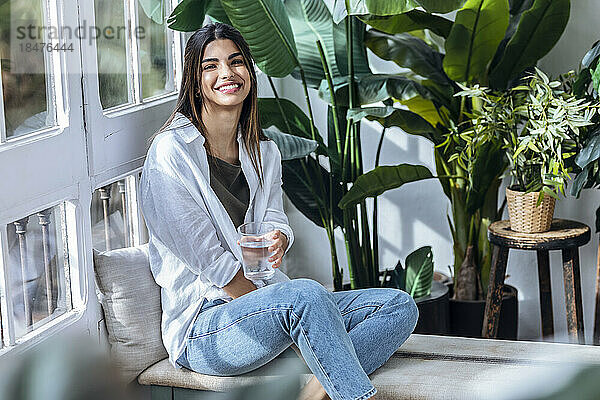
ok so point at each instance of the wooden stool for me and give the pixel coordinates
(563, 235)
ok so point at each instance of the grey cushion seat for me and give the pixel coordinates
(163, 374)
(425, 367)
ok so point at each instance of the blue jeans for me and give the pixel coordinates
(343, 336)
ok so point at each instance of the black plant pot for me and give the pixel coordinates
(434, 310)
(466, 316)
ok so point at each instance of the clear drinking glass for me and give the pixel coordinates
(255, 239)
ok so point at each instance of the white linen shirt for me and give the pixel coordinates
(193, 247)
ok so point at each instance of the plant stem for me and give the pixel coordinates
(375, 220)
(278, 100)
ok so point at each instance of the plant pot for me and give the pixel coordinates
(466, 316)
(434, 310)
(525, 215)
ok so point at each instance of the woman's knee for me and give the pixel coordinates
(306, 288)
(408, 310)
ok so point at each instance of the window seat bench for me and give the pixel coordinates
(425, 367)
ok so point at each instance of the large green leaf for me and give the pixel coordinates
(410, 21)
(359, 51)
(538, 31)
(419, 272)
(388, 117)
(477, 31)
(305, 193)
(270, 115)
(441, 6)
(374, 88)
(591, 152)
(381, 179)
(379, 7)
(408, 52)
(490, 163)
(188, 16)
(591, 56)
(290, 146)
(311, 22)
(580, 180)
(266, 27)
(217, 13)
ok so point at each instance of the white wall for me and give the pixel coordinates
(415, 215)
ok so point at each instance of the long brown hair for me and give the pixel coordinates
(190, 101)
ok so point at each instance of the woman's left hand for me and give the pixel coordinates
(277, 249)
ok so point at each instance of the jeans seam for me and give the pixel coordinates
(192, 337)
(365, 396)
(314, 354)
(377, 306)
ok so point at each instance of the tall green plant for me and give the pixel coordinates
(491, 43)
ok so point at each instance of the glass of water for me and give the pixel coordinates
(255, 239)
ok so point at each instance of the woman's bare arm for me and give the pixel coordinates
(239, 285)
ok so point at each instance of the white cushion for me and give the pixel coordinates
(130, 299)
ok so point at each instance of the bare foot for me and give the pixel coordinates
(313, 391)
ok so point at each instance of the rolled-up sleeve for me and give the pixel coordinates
(183, 225)
(274, 213)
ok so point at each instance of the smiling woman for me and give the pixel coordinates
(218, 171)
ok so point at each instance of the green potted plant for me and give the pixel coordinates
(539, 125)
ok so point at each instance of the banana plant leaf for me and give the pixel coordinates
(441, 6)
(217, 13)
(290, 146)
(591, 56)
(374, 88)
(410, 52)
(581, 179)
(154, 9)
(410, 21)
(266, 27)
(379, 7)
(539, 29)
(311, 22)
(490, 163)
(382, 179)
(513, 23)
(591, 152)
(359, 51)
(188, 16)
(389, 116)
(477, 31)
(299, 123)
(307, 195)
(419, 272)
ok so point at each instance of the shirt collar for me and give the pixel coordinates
(188, 131)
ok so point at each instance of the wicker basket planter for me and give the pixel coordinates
(525, 216)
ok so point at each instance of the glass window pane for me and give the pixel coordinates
(38, 269)
(112, 52)
(154, 51)
(23, 64)
(115, 216)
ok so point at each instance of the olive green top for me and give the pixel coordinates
(230, 185)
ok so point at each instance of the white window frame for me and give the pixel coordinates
(87, 148)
